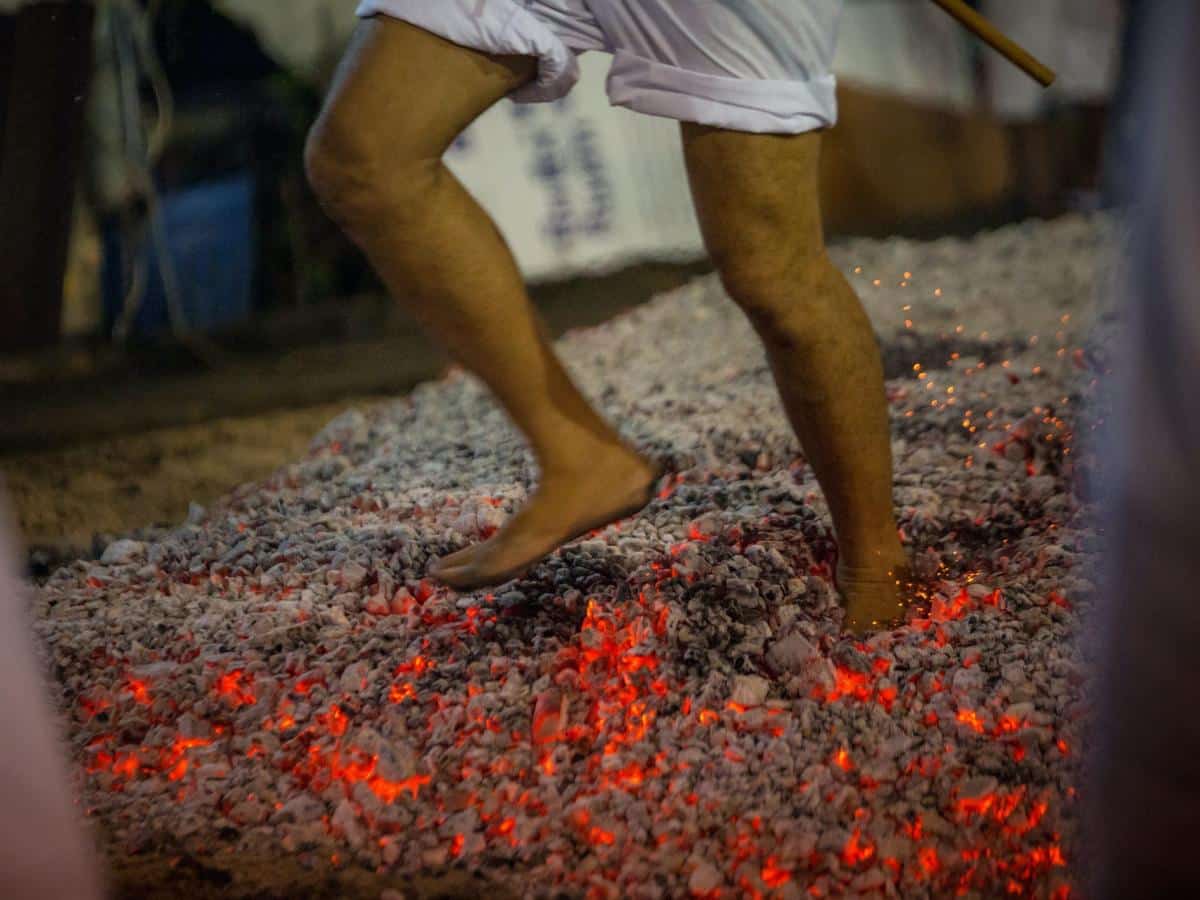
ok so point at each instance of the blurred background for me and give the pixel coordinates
(177, 316)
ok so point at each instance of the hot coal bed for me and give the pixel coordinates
(666, 708)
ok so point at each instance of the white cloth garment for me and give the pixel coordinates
(761, 66)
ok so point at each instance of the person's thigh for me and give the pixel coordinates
(756, 196)
(403, 93)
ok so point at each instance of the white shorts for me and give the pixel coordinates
(745, 65)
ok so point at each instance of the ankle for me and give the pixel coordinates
(573, 460)
(877, 555)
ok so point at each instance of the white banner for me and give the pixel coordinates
(579, 186)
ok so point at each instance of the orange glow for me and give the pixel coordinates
(94, 707)
(971, 719)
(1008, 725)
(140, 691)
(927, 859)
(505, 827)
(401, 692)
(127, 765)
(232, 687)
(389, 791)
(998, 806)
(632, 775)
(857, 850)
(418, 665)
(914, 830)
(947, 610)
(772, 875)
(335, 721)
(600, 837)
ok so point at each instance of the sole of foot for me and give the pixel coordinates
(467, 570)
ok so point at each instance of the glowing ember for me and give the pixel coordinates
(772, 875)
(600, 837)
(234, 686)
(857, 851)
(971, 719)
(667, 701)
(398, 693)
(139, 690)
(927, 859)
(334, 721)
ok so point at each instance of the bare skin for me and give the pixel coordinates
(399, 100)
(758, 200)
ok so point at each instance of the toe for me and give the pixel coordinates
(452, 560)
(461, 578)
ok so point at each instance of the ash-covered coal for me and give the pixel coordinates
(666, 708)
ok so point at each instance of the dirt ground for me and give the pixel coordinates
(64, 498)
(166, 876)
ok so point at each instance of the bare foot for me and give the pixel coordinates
(874, 596)
(608, 486)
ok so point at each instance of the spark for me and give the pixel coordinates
(842, 760)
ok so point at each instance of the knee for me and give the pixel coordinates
(335, 166)
(781, 292)
(356, 179)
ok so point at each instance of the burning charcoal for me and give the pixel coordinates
(249, 812)
(705, 879)
(600, 726)
(792, 654)
(377, 605)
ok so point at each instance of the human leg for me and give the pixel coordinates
(757, 199)
(400, 98)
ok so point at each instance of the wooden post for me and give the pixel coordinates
(998, 41)
(45, 70)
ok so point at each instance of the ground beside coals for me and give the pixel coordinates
(665, 708)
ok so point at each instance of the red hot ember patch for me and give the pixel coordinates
(622, 732)
(665, 708)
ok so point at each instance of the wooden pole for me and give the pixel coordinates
(999, 41)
